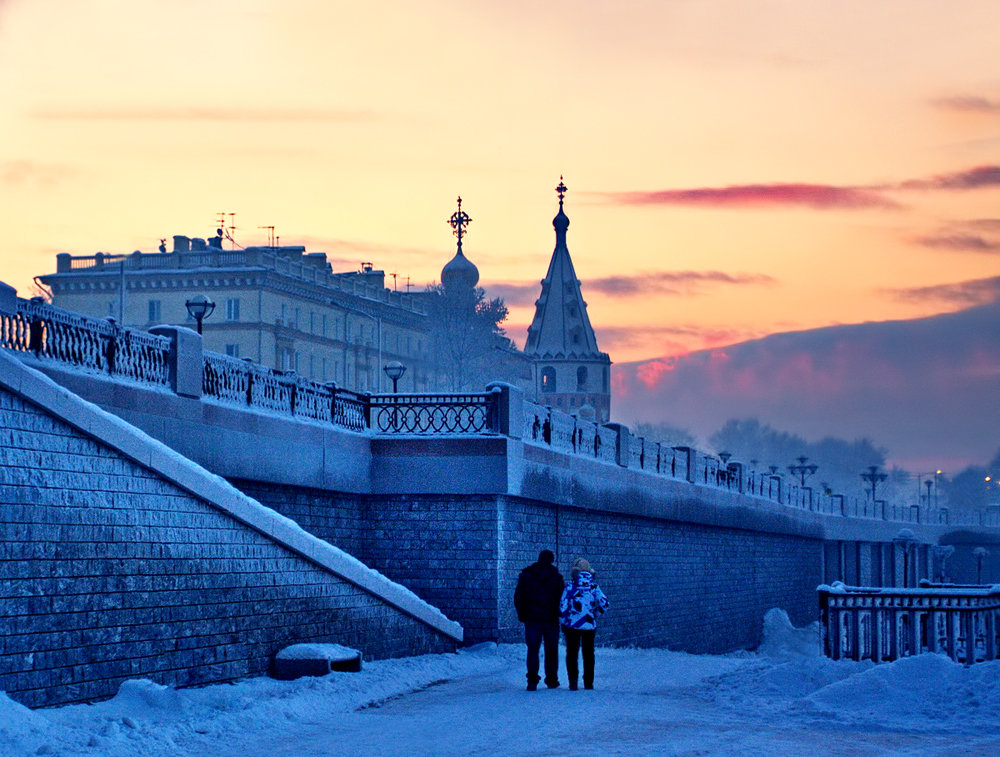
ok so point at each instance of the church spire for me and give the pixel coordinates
(571, 372)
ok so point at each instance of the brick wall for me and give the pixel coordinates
(109, 572)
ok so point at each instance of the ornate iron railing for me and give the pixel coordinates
(242, 382)
(883, 624)
(99, 345)
(434, 414)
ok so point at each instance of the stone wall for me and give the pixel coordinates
(109, 572)
(679, 585)
(682, 585)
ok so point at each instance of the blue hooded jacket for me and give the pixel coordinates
(582, 601)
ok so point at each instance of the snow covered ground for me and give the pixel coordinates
(783, 700)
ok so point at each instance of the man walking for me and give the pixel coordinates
(536, 599)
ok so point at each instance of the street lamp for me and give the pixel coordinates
(873, 477)
(394, 371)
(199, 307)
(802, 470)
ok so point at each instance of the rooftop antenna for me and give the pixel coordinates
(227, 230)
(407, 284)
(393, 281)
(270, 235)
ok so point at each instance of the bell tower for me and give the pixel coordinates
(570, 372)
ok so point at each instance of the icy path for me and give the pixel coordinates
(784, 701)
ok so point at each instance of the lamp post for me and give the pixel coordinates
(199, 307)
(873, 477)
(394, 370)
(802, 470)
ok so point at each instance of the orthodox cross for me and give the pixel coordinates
(561, 191)
(459, 220)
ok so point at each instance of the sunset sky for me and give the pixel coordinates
(735, 169)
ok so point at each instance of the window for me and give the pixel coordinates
(154, 311)
(548, 379)
(284, 314)
(581, 378)
(232, 309)
(312, 322)
(324, 366)
(312, 366)
(233, 350)
(323, 319)
(605, 380)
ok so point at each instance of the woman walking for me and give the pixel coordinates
(582, 601)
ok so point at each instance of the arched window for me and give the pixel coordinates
(581, 378)
(548, 379)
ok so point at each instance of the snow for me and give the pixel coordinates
(784, 699)
(331, 652)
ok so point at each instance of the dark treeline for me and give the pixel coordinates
(839, 462)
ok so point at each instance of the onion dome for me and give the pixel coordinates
(460, 272)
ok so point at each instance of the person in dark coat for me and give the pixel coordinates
(581, 603)
(536, 599)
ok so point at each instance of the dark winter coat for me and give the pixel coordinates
(536, 597)
(582, 602)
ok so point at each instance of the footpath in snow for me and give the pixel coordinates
(784, 699)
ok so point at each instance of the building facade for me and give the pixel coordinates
(276, 305)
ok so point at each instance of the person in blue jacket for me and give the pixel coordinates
(582, 601)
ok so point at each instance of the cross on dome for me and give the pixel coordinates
(561, 190)
(459, 220)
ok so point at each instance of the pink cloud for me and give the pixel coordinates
(819, 196)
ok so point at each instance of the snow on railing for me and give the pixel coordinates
(885, 624)
(102, 346)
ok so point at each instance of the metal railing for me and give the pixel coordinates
(885, 624)
(97, 345)
(434, 414)
(102, 346)
(242, 382)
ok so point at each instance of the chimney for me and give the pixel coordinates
(181, 243)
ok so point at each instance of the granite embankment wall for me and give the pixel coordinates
(454, 518)
(688, 586)
(125, 564)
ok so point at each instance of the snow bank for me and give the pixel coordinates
(783, 640)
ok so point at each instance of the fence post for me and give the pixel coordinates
(8, 299)
(509, 401)
(622, 441)
(186, 359)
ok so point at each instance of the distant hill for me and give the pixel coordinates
(927, 389)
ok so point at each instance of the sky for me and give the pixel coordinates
(734, 169)
(782, 700)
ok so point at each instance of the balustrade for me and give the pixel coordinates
(102, 346)
(884, 624)
(433, 413)
(98, 345)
